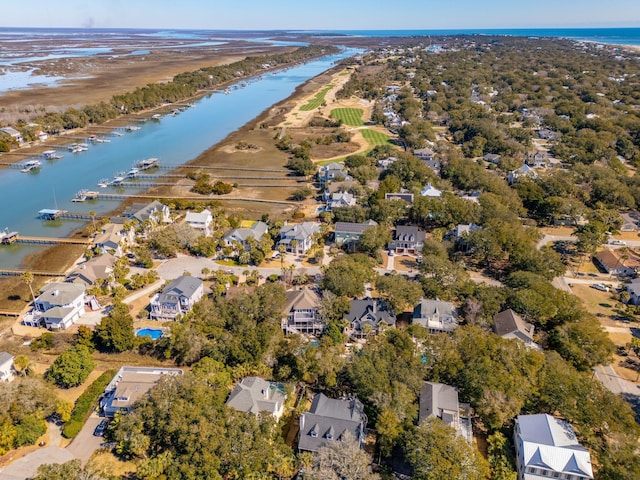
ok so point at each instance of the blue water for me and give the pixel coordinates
(621, 36)
(155, 334)
(173, 140)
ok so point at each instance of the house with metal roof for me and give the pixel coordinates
(201, 221)
(441, 401)
(436, 315)
(547, 447)
(177, 298)
(329, 420)
(348, 232)
(242, 235)
(256, 395)
(298, 237)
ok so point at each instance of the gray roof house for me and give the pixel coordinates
(423, 153)
(6, 367)
(57, 307)
(634, 291)
(301, 233)
(255, 395)
(436, 315)
(113, 238)
(547, 447)
(155, 211)
(332, 172)
(347, 232)
(491, 158)
(441, 401)
(201, 221)
(129, 385)
(302, 313)
(339, 199)
(242, 235)
(407, 239)
(508, 324)
(328, 420)
(89, 272)
(177, 298)
(407, 197)
(369, 314)
(525, 171)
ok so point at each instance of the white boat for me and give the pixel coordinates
(80, 196)
(30, 165)
(156, 116)
(133, 172)
(131, 128)
(92, 138)
(102, 140)
(51, 155)
(104, 182)
(116, 133)
(227, 91)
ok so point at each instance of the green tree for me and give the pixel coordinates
(27, 277)
(435, 452)
(72, 367)
(346, 275)
(115, 332)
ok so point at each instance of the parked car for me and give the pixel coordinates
(615, 241)
(102, 426)
(600, 286)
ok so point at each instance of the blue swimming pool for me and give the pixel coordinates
(154, 333)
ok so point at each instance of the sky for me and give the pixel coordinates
(321, 14)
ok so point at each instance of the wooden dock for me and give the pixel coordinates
(52, 241)
(48, 214)
(35, 273)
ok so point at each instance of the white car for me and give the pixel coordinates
(600, 286)
(615, 241)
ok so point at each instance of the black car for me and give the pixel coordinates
(99, 431)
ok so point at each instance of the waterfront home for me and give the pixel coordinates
(13, 133)
(508, 324)
(200, 221)
(368, 316)
(6, 367)
(113, 239)
(435, 315)
(255, 395)
(547, 447)
(328, 420)
(299, 237)
(242, 235)
(154, 212)
(177, 298)
(407, 239)
(57, 306)
(301, 313)
(438, 400)
(350, 233)
(93, 270)
(129, 385)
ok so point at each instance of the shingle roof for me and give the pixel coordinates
(302, 300)
(371, 311)
(58, 293)
(255, 395)
(435, 397)
(256, 231)
(183, 286)
(509, 321)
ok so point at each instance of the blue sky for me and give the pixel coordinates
(321, 14)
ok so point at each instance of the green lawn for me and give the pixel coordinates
(374, 137)
(349, 116)
(316, 101)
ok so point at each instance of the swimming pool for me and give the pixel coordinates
(154, 333)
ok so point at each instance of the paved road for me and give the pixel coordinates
(86, 443)
(612, 381)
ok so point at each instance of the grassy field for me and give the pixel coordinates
(316, 101)
(348, 116)
(374, 137)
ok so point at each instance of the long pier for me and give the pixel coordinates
(164, 166)
(122, 196)
(35, 273)
(52, 240)
(63, 214)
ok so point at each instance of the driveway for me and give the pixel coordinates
(85, 443)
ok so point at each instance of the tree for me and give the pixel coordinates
(434, 451)
(401, 293)
(21, 364)
(72, 367)
(27, 277)
(342, 460)
(373, 239)
(115, 332)
(346, 275)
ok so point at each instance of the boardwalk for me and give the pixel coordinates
(53, 241)
(35, 273)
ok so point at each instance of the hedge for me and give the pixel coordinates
(84, 404)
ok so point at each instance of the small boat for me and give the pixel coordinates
(51, 155)
(116, 133)
(156, 116)
(131, 128)
(117, 180)
(133, 172)
(227, 91)
(91, 194)
(80, 196)
(104, 182)
(102, 140)
(175, 112)
(92, 138)
(146, 163)
(30, 165)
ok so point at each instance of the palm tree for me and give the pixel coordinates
(27, 277)
(92, 214)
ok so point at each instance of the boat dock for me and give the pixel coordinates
(52, 214)
(8, 238)
(17, 273)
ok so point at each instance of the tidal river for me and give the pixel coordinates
(173, 140)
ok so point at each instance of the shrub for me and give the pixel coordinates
(84, 404)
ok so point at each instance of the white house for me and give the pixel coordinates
(339, 199)
(57, 306)
(13, 133)
(298, 238)
(431, 191)
(6, 367)
(177, 298)
(200, 221)
(525, 171)
(242, 235)
(436, 315)
(546, 447)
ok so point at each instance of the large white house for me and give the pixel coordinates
(298, 238)
(546, 447)
(200, 221)
(177, 298)
(57, 307)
